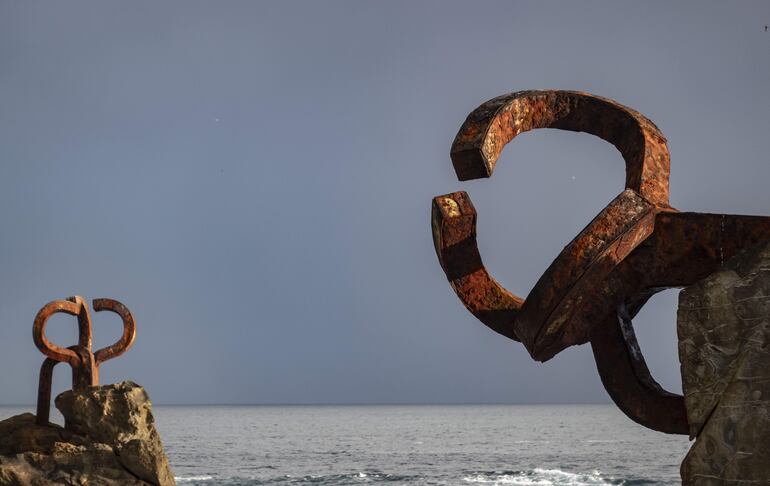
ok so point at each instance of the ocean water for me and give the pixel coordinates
(414, 445)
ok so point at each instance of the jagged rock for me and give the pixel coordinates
(724, 331)
(109, 439)
(120, 415)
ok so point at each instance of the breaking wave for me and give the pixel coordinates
(543, 477)
(535, 477)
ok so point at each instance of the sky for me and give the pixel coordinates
(253, 180)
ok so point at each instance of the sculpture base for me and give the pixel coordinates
(110, 439)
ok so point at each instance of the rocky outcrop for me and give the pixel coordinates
(109, 439)
(724, 336)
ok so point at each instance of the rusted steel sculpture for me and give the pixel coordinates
(637, 246)
(84, 362)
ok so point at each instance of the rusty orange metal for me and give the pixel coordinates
(84, 362)
(637, 246)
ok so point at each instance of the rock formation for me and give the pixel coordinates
(724, 332)
(109, 439)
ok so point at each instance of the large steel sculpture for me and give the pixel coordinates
(637, 246)
(84, 362)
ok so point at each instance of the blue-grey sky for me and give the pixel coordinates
(253, 180)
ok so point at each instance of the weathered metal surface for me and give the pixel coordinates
(637, 246)
(454, 236)
(495, 123)
(84, 362)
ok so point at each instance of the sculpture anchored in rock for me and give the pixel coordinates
(637, 246)
(109, 436)
(84, 362)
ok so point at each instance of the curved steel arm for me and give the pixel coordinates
(628, 381)
(492, 125)
(75, 306)
(545, 322)
(453, 219)
(129, 329)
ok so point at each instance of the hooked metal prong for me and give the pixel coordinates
(492, 125)
(129, 329)
(453, 219)
(73, 306)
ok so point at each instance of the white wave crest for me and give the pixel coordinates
(541, 477)
(189, 479)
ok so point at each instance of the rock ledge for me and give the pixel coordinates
(109, 439)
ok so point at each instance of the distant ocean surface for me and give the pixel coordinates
(413, 445)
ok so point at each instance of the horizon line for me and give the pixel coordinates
(351, 404)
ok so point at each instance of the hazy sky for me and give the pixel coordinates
(253, 180)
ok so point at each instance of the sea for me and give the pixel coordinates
(415, 445)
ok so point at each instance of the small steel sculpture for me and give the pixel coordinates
(637, 246)
(84, 362)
